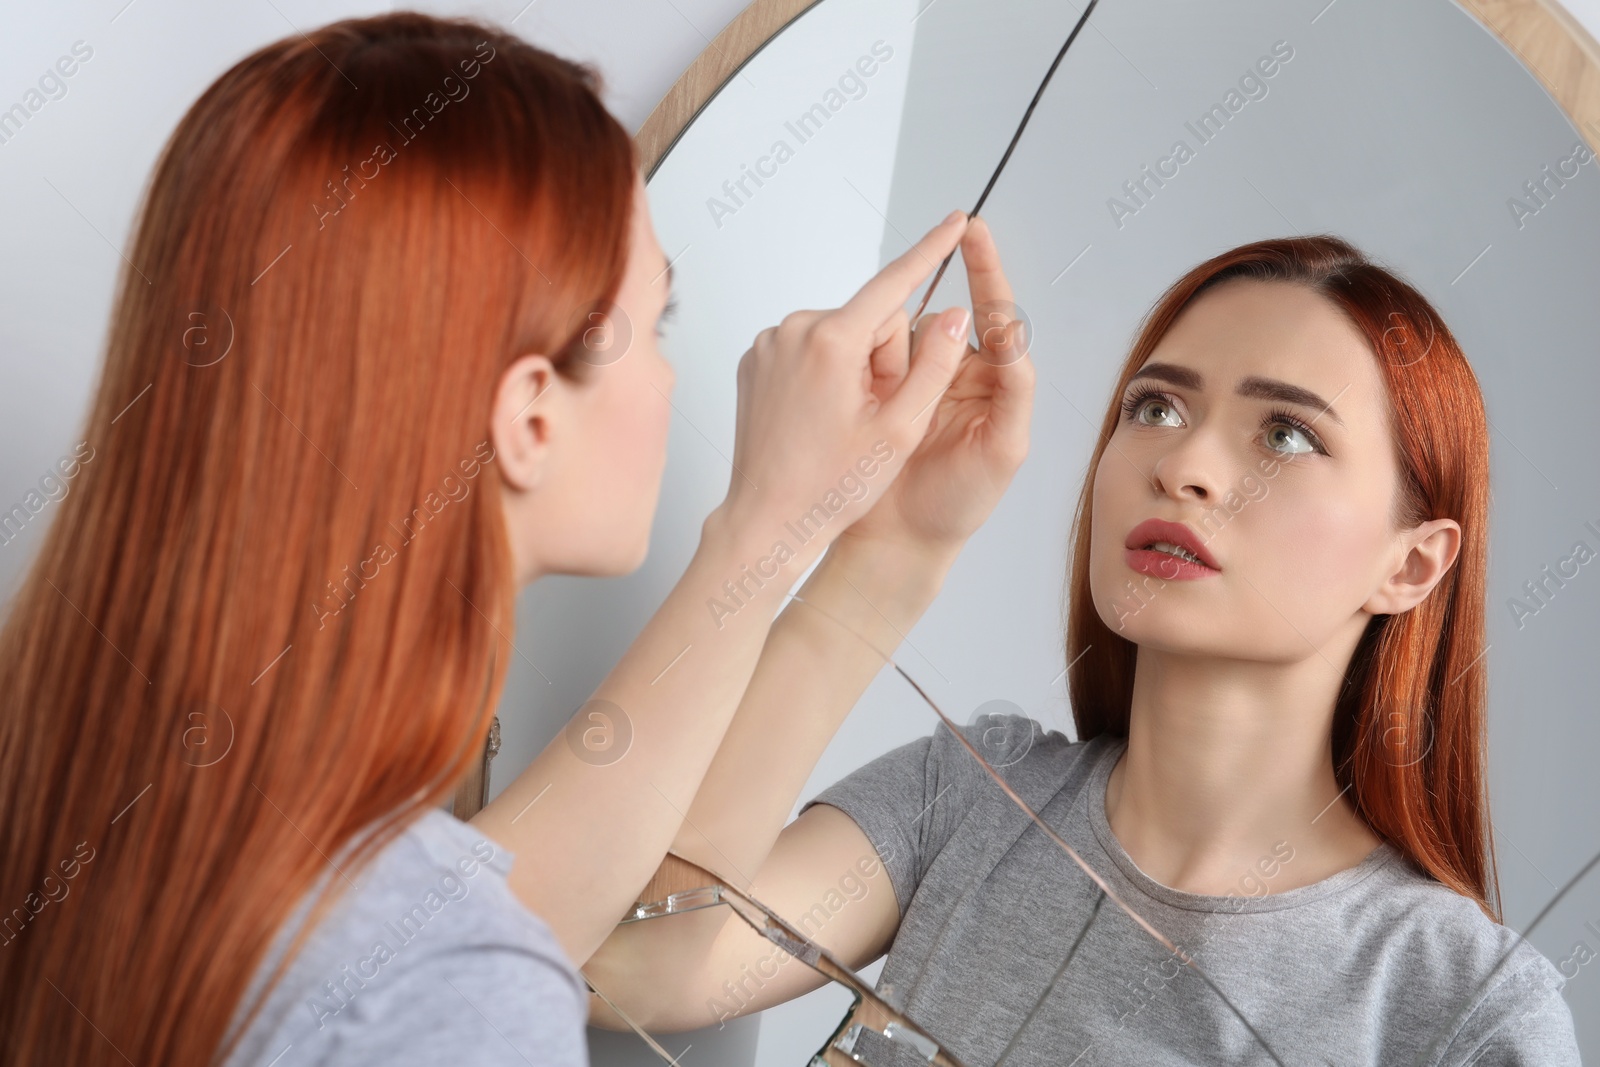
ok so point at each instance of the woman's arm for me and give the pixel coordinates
(586, 829)
(812, 673)
(668, 973)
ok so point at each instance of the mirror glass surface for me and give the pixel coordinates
(1406, 128)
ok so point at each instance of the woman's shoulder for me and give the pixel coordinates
(1487, 981)
(1425, 916)
(427, 953)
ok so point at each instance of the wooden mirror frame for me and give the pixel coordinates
(1551, 44)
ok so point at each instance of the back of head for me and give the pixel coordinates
(276, 608)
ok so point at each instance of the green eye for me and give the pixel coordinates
(1279, 417)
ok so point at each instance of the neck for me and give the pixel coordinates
(1227, 784)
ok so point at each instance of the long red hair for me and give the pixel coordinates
(1409, 728)
(276, 609)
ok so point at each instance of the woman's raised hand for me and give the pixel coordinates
(832, 402)
(979, 434)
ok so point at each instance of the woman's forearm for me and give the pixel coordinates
(811, 673)
(589, 825)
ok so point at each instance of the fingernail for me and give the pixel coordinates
(953, 216)
(957, 327)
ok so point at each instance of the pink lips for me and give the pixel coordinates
(1163, 564)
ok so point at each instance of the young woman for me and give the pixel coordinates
(385, 352)
(1274, 640)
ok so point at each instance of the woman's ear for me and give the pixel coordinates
(1430, 550)
(520, 420)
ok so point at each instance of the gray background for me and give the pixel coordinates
(1405, 133)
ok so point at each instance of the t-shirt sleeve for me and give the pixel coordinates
(910, 800)
(1523, 1022)
(495, 1006)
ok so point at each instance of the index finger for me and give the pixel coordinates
(986, 281)
(889, 289)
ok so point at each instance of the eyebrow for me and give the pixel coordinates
(1253, 386)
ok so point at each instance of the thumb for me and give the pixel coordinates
(1011, 403)
(934, 363)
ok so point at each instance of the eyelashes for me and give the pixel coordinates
(667, 312)
(1137, 396)
(1140, 393)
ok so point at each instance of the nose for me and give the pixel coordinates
(1185, 470)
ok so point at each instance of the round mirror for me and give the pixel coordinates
(811, 144)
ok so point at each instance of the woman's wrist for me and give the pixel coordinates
(871, 589)
(900, 577)
(761, 558)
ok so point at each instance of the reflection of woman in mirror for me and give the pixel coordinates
(386, 351)
(1275, 635)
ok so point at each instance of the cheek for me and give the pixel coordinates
(641, 417)
(1316, 550)
(1113, 512)
(659, 411)
(1103, 491)
(1115, 499)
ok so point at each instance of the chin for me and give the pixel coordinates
(1126, 616)
(624, 564)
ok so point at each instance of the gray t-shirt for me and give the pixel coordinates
(429, 959)
(1371, 965)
